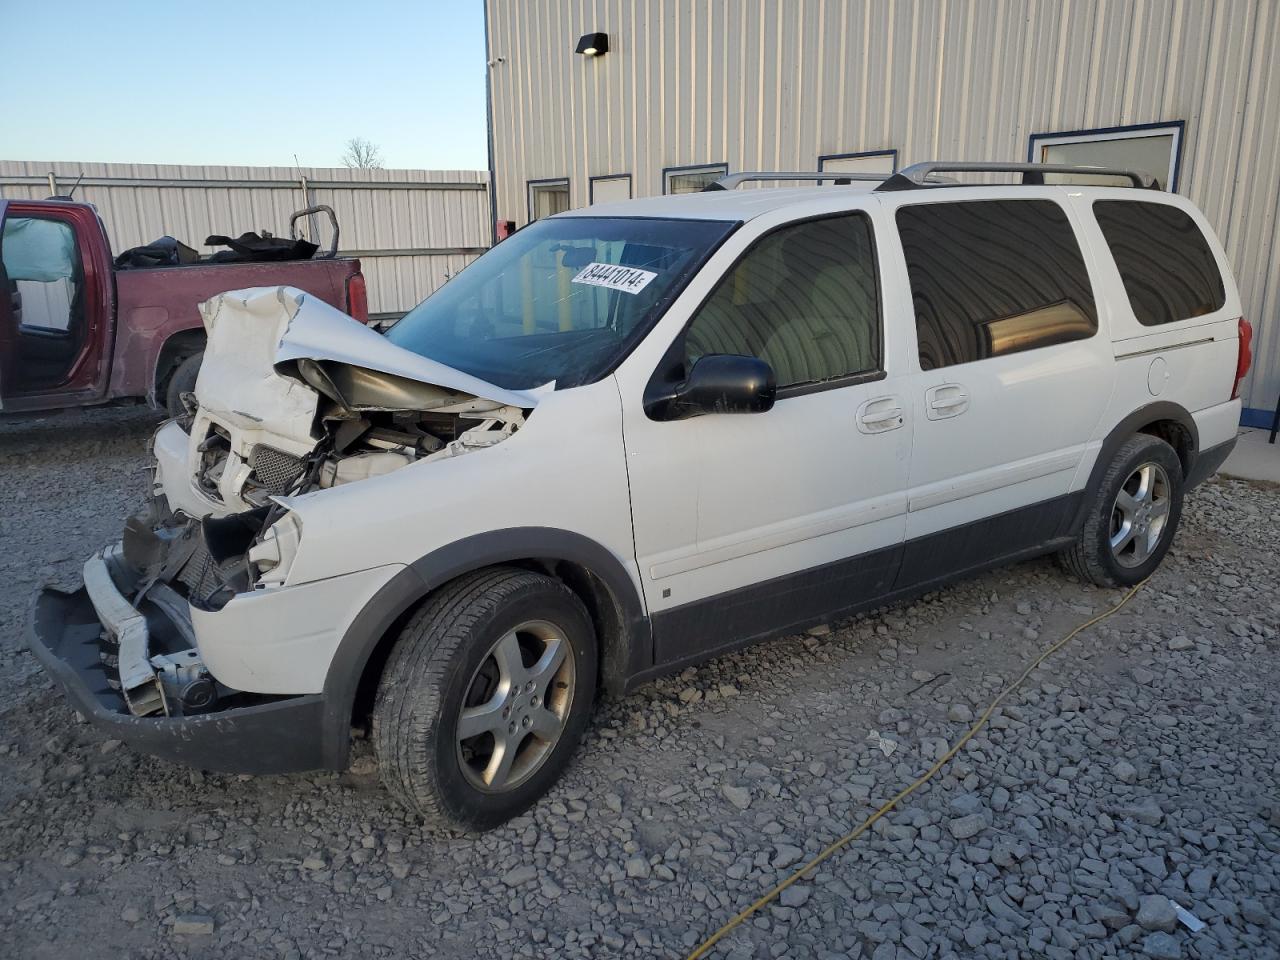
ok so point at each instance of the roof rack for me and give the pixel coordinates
(915, 176)
(838, 177)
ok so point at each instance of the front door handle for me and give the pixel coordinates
(946, 400)
(880, 414)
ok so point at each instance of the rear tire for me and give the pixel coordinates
(1133, 517)
(485, 697)
(182, 381)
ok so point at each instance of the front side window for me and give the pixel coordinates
(561, 300)
(993, 277)
(1168, 270)
(804, 299)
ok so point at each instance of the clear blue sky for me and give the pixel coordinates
(236, 82)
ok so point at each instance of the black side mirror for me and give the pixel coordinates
(718, 383)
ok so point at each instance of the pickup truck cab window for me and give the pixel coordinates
(562, 300)
(993, 277)
(803, 299)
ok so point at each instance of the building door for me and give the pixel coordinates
(748, 524)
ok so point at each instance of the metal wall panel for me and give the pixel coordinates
(143, 201)
(774, 84)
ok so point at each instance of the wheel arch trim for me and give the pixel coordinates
(411, 585)
(1129, 426)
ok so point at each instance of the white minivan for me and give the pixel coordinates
(635, 436)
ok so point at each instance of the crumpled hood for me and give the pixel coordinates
(279, 324)
(283, 374)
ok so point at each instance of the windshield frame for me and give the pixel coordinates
(641, 330)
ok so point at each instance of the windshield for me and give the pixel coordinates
(563, 299)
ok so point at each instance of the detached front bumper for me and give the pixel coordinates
(269, 735)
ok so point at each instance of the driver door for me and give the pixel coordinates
(747, 525)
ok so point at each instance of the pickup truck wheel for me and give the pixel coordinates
(485, 697)
(182, 381)
(1133, 517)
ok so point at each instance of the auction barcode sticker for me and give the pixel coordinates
(626, 279)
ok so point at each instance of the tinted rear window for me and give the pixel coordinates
(992, 277)
(1168, 270)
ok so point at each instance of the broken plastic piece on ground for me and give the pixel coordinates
(1187, 918)
(886, 745)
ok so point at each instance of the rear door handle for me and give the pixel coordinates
(880, 415)
(946, 400)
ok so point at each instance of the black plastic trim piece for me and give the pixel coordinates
(277, 736)
(697, 631)
(1208, 462)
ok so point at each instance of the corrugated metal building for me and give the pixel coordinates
(692, 88)
(411, 229)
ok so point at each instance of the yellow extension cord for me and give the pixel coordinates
(848, 838)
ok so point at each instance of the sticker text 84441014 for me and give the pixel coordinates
(627, 279)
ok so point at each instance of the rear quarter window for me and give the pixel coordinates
(1166, 264)
(994, 277)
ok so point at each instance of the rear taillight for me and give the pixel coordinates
(1244, 355)
(357, 297)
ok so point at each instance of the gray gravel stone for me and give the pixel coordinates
(962, 828)
(1124, 771)
(740, 797)
(1162, 946)
(192, 924)
(1155, 912)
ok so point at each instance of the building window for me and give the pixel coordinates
(547, 197)
(692, 179)
(803, 299)
(610, 188)
(994, 277)
(868, 161)
(1153, 147)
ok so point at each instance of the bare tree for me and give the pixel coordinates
(362, 155)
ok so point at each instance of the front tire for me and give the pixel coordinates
(485, 697)
(1133, 516)
(182, 381)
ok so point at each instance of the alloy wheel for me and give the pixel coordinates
(516, 706)
(1140, 515)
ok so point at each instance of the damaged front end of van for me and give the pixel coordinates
(294, 399)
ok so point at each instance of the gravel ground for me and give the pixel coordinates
(1139, 765)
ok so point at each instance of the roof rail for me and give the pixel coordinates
(914, 177)
(839, 177)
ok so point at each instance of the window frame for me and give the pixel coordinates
(1175, 128)
(816, 386)
(591, 185)
(1072, 224)
(891, 153)
(546, 182)
(721, 167)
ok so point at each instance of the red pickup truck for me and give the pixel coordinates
(76, 331)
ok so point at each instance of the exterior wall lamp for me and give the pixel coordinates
(593, 44)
